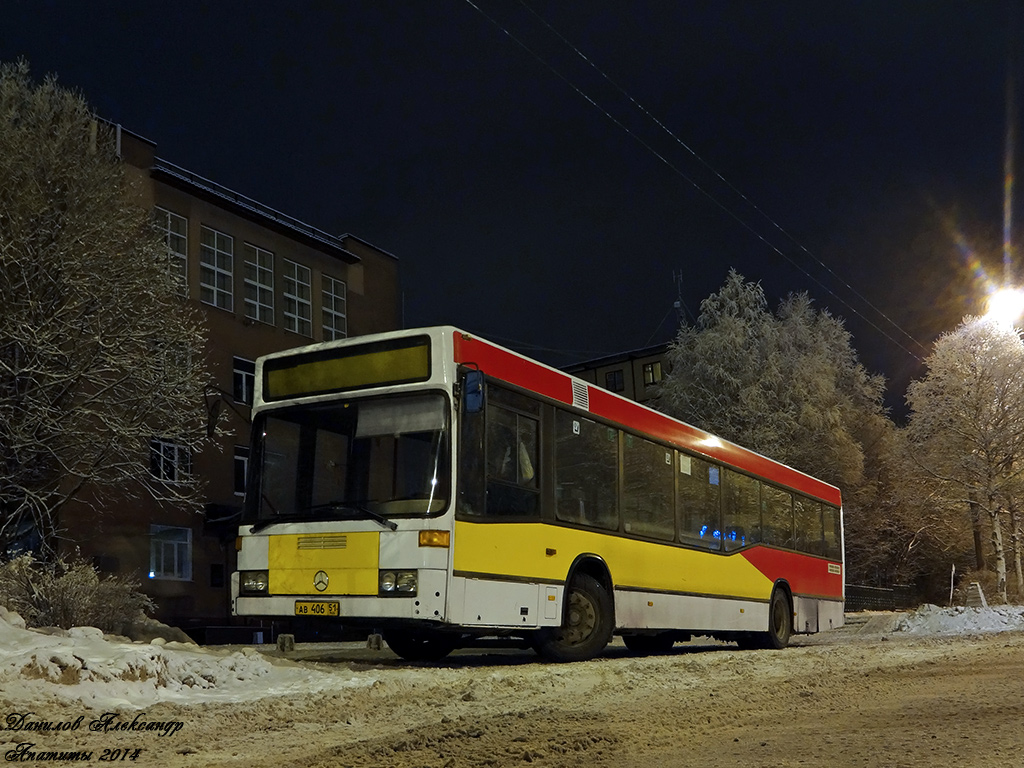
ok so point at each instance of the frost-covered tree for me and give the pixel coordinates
(98, 353)
(786, 384)
(966, 429)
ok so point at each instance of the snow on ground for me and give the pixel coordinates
(100, 671)
(933, 620)
(103, 672)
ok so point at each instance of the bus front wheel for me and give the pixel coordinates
(587, 626)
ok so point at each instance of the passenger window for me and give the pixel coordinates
(586, 471)
(808, 526)
(699, 503)
(776, 517)
(741, 511)
(512, 440)
(647, 488)
(833, 533)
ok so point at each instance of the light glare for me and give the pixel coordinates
(1005, 306)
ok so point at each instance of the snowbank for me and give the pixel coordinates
(87, 667)
(933, 620)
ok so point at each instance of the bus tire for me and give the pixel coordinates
(421, 645)
(587, 627)
(780, 625)
(780, 620)
(649, 645)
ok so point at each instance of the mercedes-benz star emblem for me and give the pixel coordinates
(320, 581)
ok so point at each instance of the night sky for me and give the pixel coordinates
(854, 150)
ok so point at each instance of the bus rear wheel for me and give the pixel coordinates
(780, 625)
(420, 645)
(587, 626)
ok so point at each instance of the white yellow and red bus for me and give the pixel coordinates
(439, 489)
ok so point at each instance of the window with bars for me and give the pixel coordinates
(216, 269)
(259, 284)
(335, 320)
(298, 305)
(170, 552)
(175, 231)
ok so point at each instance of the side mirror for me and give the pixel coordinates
(473, 391)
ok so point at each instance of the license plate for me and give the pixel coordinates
(315, 608)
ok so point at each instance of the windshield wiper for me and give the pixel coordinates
(341, 506)
(317, 512)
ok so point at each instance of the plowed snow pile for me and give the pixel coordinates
(932, 620)
(102, 672)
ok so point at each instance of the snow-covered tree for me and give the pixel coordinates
(99, 355)
(966, 429)
(786, 384)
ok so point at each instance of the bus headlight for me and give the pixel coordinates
(397, 583)
(253, 582)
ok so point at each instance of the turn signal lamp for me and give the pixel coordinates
(435, 539)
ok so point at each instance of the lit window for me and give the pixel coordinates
(614, 381)
(169, 461)
(652, 373)
(335, 320)
(298, 306)
(175, 232)
(259, 284)
(170, 552)
(244, 380)
(216, 269)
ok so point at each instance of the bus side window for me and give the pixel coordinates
(586, 472)
(699, 503)
(833, 535)
(647, 484)
(741, 511)
(512, 441)
(777, 516)
(809, 531)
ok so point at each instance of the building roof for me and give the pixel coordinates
(618, 357)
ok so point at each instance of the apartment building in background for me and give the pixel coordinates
(264, 282)
(635, 374)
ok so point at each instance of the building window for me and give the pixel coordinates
(175, 232)
(298, 306)
(169, 461)
(614, 381)
(334, 318)
(244, 380)
(259, 284)
(241, 468)
(170, 552)
(216, 269)
(652, 373)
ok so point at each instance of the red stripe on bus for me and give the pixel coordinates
(806, 575)
(515, 369)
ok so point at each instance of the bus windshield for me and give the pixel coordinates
(355, 459)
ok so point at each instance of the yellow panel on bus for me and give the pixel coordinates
(546, 552)
(349, 561)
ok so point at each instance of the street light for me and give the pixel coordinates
(1005, 306)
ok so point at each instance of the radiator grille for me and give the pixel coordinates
(334, 541)
(581, 395)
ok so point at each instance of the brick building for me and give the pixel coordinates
(264, 282)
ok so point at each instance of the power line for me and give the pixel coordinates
(722, 206)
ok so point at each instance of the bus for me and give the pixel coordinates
(438, 489)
